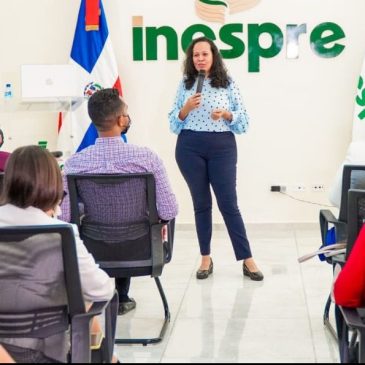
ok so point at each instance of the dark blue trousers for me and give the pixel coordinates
(209, 159)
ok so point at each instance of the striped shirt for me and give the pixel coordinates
(199, 119)
(112, 156)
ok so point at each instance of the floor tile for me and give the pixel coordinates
(228, 317)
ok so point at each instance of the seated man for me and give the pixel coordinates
(3, 155)
(355, 156)
(109, 114)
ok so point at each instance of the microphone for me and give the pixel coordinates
(201, 77)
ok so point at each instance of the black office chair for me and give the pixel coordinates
(327, 218)
(351, 321)
(27, 311)
(119, 224)
(356, 214)
(352, 335)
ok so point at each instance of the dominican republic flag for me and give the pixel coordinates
(93, 56)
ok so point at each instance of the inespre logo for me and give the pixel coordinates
(216, 11)
(150, 43)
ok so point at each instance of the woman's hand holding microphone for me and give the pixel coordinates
(192, 103)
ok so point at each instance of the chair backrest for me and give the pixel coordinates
(39, 281)
(356, 216)
(351, 174)
(118, 221)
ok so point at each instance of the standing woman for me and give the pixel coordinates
(206, 150)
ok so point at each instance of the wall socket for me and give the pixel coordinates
(318, 187)
(299, 187)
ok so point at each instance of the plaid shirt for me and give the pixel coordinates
(112, 155)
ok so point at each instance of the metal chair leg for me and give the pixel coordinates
(326, 320)
(149, 341)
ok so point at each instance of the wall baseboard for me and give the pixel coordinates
(281, 226)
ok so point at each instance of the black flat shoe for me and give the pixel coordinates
(256, 276)
(203, 274)
(125, 307)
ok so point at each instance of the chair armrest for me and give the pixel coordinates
(328, 216)
(111, 314)
(161, 251)
(80, 333)
(157, 249)
(325, 218)
(352, 318)
(96, 308)
(169, 244)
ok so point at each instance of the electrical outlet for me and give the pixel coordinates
(299, 187)
(318, 187)
(278, 188)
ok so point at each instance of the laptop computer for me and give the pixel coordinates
(49, 83)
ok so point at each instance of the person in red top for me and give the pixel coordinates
(349, 291)
(349, 287)
(3, 155)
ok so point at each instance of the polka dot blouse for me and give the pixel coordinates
(200, 120)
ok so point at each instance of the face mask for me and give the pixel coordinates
(127, 126)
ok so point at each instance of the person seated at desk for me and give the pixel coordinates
(31, 195)
(3, 155)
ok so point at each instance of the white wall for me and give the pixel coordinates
(301, 110)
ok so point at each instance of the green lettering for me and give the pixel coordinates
(226, 36)
(255, 51)
(152, 34)
(319, 42)
(293, 31)
(189, 33)
(137, 44)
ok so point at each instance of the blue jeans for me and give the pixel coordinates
(209, 159)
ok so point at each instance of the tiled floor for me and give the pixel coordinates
(228, 318)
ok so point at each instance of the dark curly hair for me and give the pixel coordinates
(218, 73)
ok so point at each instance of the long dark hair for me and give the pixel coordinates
(218, 73)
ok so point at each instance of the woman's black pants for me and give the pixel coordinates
(209, 159)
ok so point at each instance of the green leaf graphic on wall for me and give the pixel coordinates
(360, 100)
(215, 10)
(214, 2)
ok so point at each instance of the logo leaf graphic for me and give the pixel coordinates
(215, 10)
(360, 100)
(360, 83)
(214, 2)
